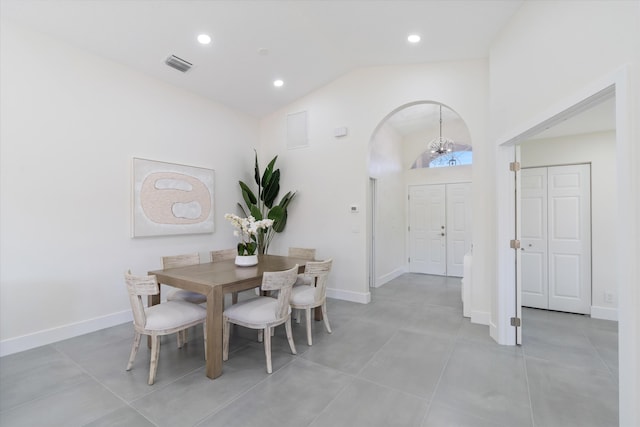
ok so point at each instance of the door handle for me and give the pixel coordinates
(442, 234)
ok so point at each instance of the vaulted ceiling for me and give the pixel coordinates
(305, 43)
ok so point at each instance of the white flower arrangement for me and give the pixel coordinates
(247, 229)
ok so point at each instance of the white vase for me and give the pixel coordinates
(246, 260)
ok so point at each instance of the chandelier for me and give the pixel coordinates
(440, 145)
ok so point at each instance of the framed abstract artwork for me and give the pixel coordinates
(170, 199)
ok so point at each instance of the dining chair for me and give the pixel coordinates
(160, 319)
(312, 295)
(305, 253)
(225, 255)
(308, 254)
(263, 313)
(175, 261)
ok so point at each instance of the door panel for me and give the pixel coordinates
(426, 219)
(458, 227)
(570, 239)
(533, 242)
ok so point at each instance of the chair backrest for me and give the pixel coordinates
(304, 253)
(139, 286)
(180, 260)
(223, 255)
(318, 271)
(282, 281)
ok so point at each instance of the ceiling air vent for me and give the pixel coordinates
(178, 63)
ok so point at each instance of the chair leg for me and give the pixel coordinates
(155, 352)
(267, 348)
(307, 313)
(179, 338)
(134, 350)
(325, 318)
(260, 335)
(287, 327)
(225, 339)
(298, 315)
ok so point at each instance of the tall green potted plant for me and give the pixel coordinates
(264, 206)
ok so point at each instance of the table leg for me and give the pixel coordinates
(215, 308)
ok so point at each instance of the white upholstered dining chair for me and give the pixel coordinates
(225, 255)
(264, 313)
(305, 253)
(308, 254)
(312, 293)
(160, 319)
(175, 261)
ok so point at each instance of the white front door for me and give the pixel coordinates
(556, 238)
(458, 227)
(427, 229)
(439, 228)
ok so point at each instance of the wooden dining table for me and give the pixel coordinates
(214, 280)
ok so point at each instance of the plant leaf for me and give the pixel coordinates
(256, 172)
(244, 213)
(247, 194)
(279, 217)
(272, 189)
(286, 199)
(268, 172)
(255, 212)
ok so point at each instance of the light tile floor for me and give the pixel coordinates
(408, 358)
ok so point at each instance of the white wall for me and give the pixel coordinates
(551, 56)
(336, 170)
(71, 123)
(599, 150)
(386, 166)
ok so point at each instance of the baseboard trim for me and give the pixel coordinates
(605, 313)
(49, 336)
(481, 317)
(389, 277)
(493, 332)
(361, 297)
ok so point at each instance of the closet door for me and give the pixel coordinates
(533, 238)
(570, 238)
(556, 238)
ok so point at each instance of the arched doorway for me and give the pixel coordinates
(409, 148)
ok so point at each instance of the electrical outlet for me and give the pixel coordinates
(608, 297)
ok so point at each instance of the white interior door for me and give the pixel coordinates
(427, 229)
(556, 238)
(533, 241)
(570, 238)
(458, 226)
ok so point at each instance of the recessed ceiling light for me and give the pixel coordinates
(413, 38)
(278, 83)
(204, 39)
